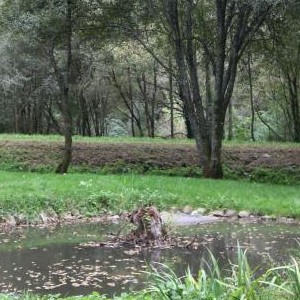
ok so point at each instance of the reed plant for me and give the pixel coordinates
(241, 283)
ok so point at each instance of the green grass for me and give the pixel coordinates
(128, 139)
(91, 194)
(121, 139)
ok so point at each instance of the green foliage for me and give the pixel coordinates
(288, 176)
(241, 282)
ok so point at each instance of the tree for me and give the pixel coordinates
(63, 77)
(284, 59)
(233, 25)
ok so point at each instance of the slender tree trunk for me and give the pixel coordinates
(17, 118)
(68, 133)
(153, 102)
(65, 94)
(208, 89)
(84, 116)
(143, 89)
(171, 99)
(131, 103)
(230, 121)
(251, 97)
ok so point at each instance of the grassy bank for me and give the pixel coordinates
(91, 194)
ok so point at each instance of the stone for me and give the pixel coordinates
(195, 213)
(244, 214)
(180, 218)
(282, 219)
(290, 220)
(218, 213)
(201, 210)
(174, 209)
(10, 220)
(187, 210)
(266, 218)
(230, 213)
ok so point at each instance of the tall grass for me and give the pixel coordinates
(242, 282)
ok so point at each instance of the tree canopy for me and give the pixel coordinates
(155, 68)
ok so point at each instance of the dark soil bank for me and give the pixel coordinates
(144, 157)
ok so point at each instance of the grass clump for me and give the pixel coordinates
(241, 282)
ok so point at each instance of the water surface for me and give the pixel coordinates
(55, 261)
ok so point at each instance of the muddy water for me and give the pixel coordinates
(57, 260)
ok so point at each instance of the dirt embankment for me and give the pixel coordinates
(160, 156)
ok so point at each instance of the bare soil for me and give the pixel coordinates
(161, 156)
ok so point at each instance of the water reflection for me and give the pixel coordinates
(52, 261)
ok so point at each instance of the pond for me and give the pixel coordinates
(58, 260)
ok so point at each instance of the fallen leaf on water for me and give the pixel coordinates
(112, 284)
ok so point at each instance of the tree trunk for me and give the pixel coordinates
(64, 83)
(294, 103)
(85, 128)
(68, 133)
(230, 121)
(171, 99)
(208, 90)
(251, 97)
(131, 102)
(153, 102)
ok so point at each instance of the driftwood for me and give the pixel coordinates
(148, 222)
(149, 231)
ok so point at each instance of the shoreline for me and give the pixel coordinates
(179, 218)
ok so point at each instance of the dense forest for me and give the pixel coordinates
(204, 69)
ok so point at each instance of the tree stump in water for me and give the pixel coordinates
(148, 222)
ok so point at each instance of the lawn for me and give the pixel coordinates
(93, 194)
